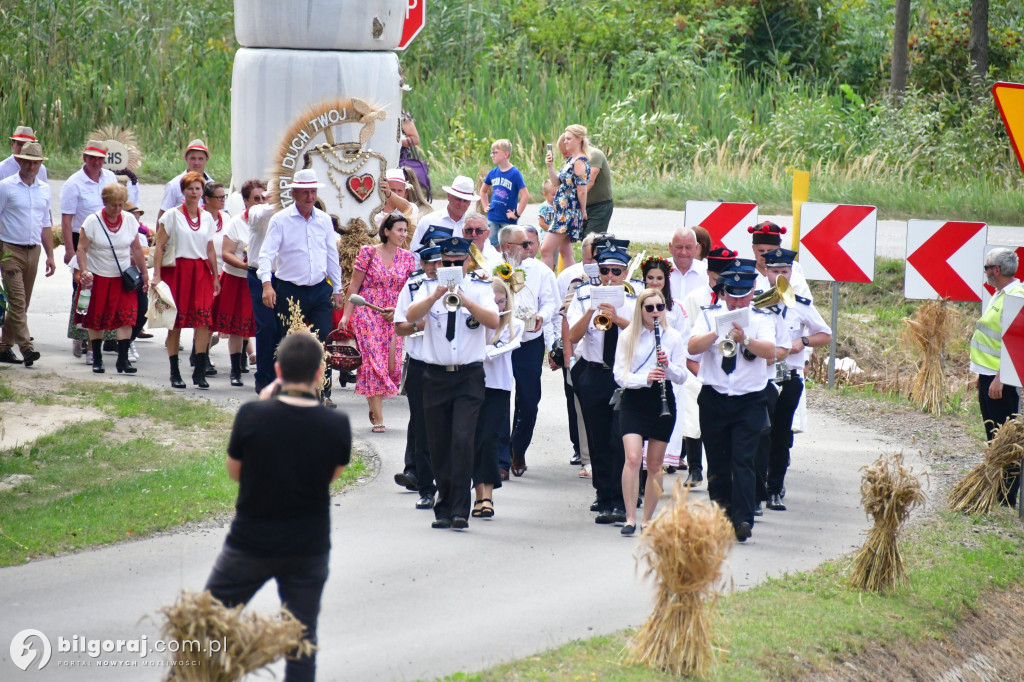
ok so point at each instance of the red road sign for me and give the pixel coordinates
(937, 259)
(1011, 359)
(1010, 100)
(823, 227)
(415, 19)
(989, 289)
(726, 222)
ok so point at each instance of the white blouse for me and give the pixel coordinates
(645, 359)
(218, 237)
(498, 369)
(99, 259)
(188, 242)
(238, 232)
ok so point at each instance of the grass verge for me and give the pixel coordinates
(792, 626)
(154, 463)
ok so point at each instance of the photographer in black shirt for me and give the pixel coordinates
(284, 452)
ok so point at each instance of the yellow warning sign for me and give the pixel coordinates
(1010, 100)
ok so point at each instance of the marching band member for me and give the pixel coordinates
(454, 349)
(732, 409)
(804, 328)
(767, 236)
(593, 380)
(645, 358)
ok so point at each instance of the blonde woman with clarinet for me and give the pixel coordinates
(649, 354)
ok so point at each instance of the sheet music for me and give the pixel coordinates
(615, 295)
(725, 318)
(450, 276)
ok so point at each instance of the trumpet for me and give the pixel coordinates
(782, 292)
(451, 301)
(602, 322)
(727, 348)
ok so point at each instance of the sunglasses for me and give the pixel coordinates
(610, 271)
(474, 230)
(525, 245)
(220, 197)
(651, 307)
(989, 267)
(450, 263)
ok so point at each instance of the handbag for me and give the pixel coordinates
(169, 256)
(131, 278)
(418, 166)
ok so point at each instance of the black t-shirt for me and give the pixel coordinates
(288, 454)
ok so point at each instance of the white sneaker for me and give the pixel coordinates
(133, 353)
(76, 348)
(88, 357)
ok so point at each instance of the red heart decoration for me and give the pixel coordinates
(361, 186)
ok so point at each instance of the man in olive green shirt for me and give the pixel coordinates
(599, 194)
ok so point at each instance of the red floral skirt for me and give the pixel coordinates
(232, 307)
(110, 306)
(193, 293)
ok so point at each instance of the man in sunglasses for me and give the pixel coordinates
(454, 342)
(731, 401)
(593, 380)
(477, 231)
(536, 303)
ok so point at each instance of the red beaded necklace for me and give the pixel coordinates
(188, 218)
(220, 222)
(115, 225)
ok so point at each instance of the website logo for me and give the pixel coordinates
(23, 652)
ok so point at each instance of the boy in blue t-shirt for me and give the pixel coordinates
(504, 195)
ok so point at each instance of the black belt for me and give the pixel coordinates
(22, 246)
(253, 269)
(413, 362)
(594, 365)
(454, 368)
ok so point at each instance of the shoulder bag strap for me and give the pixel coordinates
(112, 250)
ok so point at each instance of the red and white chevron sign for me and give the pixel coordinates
(837, 242)
(987, 289)
(1011, 358)
(945, 259)
(726, 222)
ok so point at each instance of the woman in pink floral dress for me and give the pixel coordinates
(378, 274)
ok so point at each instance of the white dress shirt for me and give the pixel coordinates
(413, 344)
(469, 343)
(9, 167)
(645, 358)
(439, 218)
(498, 369)
(24, 211)
(219, 230)
(750, 376)
(80, 197)
(682, 283)
(306, 251)
(238, 232)
(172, 191)
(803, 319)
(591, 346)
(259, 221)
(492, 258)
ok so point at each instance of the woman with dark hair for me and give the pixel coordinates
(108, 243)
(378, 274)
(232, 309)
(194, 282)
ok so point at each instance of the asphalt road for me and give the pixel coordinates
(405, 601)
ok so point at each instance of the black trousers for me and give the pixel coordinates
(266, 332)
(693, 455)
(417, 458)
(994, 413)
(730, 429)
(140, 317)
(493, 417)
(782, 432)
(451, 407)
(570, 408)
(764, 446)
(317, 307)
(594, 386)
(527, 365)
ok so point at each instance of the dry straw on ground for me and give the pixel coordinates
(295, 323)
(354, 236)
(247, 641)
(684, 548)
(981, 490)
(889, 491)
(929, 332)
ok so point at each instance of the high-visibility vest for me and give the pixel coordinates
(987, 341)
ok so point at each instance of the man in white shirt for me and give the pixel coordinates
(732, 406)
(22, 135)
(690, 274)
(454, 343)
(452, 216)
(197, 155)
(474, 228)
(80, 196)
(298, 261)
(25, 225)
(536, 304)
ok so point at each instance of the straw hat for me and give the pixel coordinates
(197, 145)
(305, 179)
(95, 148)
(462, 188)
(396, 175)
(132, 208)
(32, 151)
(23, 134)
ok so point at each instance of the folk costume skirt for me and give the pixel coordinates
(640, 410)
(193, 293)
(232, 307)
(110, 306)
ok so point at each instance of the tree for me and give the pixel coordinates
(900, 35)
(978, 49)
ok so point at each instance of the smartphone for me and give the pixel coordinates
(549, 149)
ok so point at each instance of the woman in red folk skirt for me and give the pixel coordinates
(232, 309)
(107, 244)
(189, 229)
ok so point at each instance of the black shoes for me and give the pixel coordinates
(595, 506)
(575, 459)
(30, 356)
(236, 369)
(176, 381)
(775, 502)
(628, 529)
(607, 516)
(97, 356)
(425, 502)
(407, 481)
(669, 469)
(694, 479)
(743, 532)
(9, 356)
(123, 365)
(758, 511)
(441, 523)
(459, 523)
(199, 372)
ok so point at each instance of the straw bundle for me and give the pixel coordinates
(929, 331)
(981, 490)
(295, 323)
(231, 644)
(353, 237)
(684, 548)
(888, 491)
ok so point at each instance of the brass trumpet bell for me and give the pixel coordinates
(727, 348)
(451, 301)
(782, 292)
(602, 322)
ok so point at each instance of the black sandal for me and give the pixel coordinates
(487, 511)
(478, 512)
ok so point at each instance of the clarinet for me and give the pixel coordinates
(665, 411)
